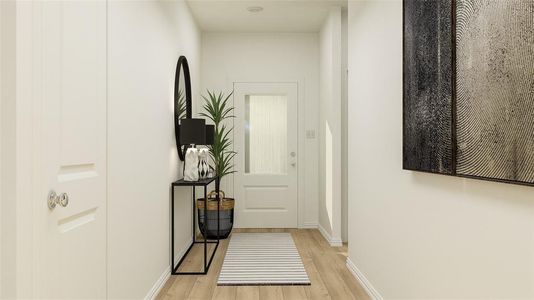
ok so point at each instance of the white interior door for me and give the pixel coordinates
(265, 137)
(70, 91)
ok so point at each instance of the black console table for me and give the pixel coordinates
(193, 184)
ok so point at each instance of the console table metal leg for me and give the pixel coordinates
(194, 216)
(205, 230)
(172, 230)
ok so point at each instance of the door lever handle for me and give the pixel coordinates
(54, 199)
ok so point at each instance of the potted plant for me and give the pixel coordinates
(217, 109)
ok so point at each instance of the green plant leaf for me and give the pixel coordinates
(217, 108)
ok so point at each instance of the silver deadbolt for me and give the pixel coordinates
(54, 199)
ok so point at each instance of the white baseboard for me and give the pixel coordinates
(333, 241)
(156, 288)
(154, 291)
(309, 225)
(371, 291)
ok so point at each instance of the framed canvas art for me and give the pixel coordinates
(468, 88)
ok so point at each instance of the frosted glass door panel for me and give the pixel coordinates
(266, 134)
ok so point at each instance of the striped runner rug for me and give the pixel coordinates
(262, 259)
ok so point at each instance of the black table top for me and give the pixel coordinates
(200, 182)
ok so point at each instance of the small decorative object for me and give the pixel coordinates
(192, 132)
(203, 167)
(191, 172)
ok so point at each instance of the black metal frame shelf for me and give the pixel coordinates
(193, 184)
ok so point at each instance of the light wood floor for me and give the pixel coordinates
(330, 278)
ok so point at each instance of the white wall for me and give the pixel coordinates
(344, 126)
(3, 44)
(145, 40)
(272, 57)
(415, 235)
(330, 119)
(17, 150)
(2, 86)
(7, 149)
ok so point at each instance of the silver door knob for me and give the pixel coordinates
(293, 164)
(54, 199)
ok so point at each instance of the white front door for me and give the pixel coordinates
(70, 95)
(265, 137)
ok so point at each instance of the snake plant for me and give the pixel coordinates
(217, 109)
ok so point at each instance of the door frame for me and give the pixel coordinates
(301, 136)
(23, 187)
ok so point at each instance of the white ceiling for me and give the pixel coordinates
(277, 15)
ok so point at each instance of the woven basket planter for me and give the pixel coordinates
(226, 213)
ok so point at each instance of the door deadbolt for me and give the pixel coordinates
(54, 199)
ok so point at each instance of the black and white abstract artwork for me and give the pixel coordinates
(495, 89)
(427, 86)
(468, 100)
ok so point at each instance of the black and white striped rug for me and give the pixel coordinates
(262, 259)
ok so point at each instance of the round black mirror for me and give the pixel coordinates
(182, 100)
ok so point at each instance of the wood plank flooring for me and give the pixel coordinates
(330, 278)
